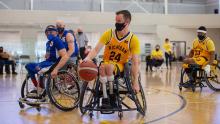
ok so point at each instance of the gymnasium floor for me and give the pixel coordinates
(166, 105)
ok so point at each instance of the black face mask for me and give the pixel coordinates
(60, 30)
(201, 37)
(119, 26)
(80, 33)
(157, 49)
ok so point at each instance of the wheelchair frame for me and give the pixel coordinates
(201, 76)
(25, 99)
(93, 104)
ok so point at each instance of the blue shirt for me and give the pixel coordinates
(52, 47)
(63, 38)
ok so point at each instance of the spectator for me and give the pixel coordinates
(82, 41)
(168, 52)
(4, 60)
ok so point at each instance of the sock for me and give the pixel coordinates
(110, 80)
(103, 80)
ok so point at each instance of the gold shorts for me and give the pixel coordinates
(116, 65)
(200, 61)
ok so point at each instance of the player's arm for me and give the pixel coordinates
(62, 53)
(135, 51)
(135, 68)
(212, 57)
(69, 40)
(95, 51)
(191, 53)
(106, 36)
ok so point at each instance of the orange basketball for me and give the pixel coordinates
(88, 71)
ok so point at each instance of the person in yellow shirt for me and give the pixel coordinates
(168, 52)
(157, 57)
(202, 53)
(121, 45)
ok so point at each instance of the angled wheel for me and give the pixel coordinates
(213, 79)
(138, 98)
(87, 95)
(26, 87)
(63, 91)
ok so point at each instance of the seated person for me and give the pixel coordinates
(4, 60)
(156, 57)
(120, 46)
(69, 40)
(202, 53)
(53, 46)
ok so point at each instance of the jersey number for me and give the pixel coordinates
(114, 56)
(197, 53)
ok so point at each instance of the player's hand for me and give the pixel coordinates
(54, 73)
(136, 87)
(86, 59)
(37, 68)
(47, 55)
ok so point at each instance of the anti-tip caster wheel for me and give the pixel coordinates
(21, 105)
(120, 115)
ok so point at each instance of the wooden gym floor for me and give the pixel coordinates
(166, 105)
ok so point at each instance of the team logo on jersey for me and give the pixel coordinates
(51, 43)
(126, 41)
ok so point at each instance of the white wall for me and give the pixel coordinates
(151, 28)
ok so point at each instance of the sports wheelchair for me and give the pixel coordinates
(91, 95)
(199, 76)
(62, 91)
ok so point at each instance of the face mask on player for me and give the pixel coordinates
(119, 26)
(50, 37)
(60, 30)
(201, 37)
(80, 33)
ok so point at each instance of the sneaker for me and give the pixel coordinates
(14, 73)
(106, 103)
(36, 94)
(113, 101)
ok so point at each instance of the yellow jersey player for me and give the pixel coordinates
(202, 53)
(121, 45)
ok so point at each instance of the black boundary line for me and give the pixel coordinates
(172, 113)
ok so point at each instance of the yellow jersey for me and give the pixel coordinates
(167, 47)
(202, 49)
(156, 54)
(119, 49)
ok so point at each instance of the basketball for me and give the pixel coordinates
(88, 71)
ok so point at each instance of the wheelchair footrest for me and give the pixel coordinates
(107, 112)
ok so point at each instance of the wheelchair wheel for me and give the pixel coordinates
(86, 95)
(138, 98)
(26, 87)
(213, 79)
(63, 91)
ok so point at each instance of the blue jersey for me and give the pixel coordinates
(75, 52)
(52, 47)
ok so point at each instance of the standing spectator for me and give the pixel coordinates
(4, 60)
(168, 52)
(82, 41)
